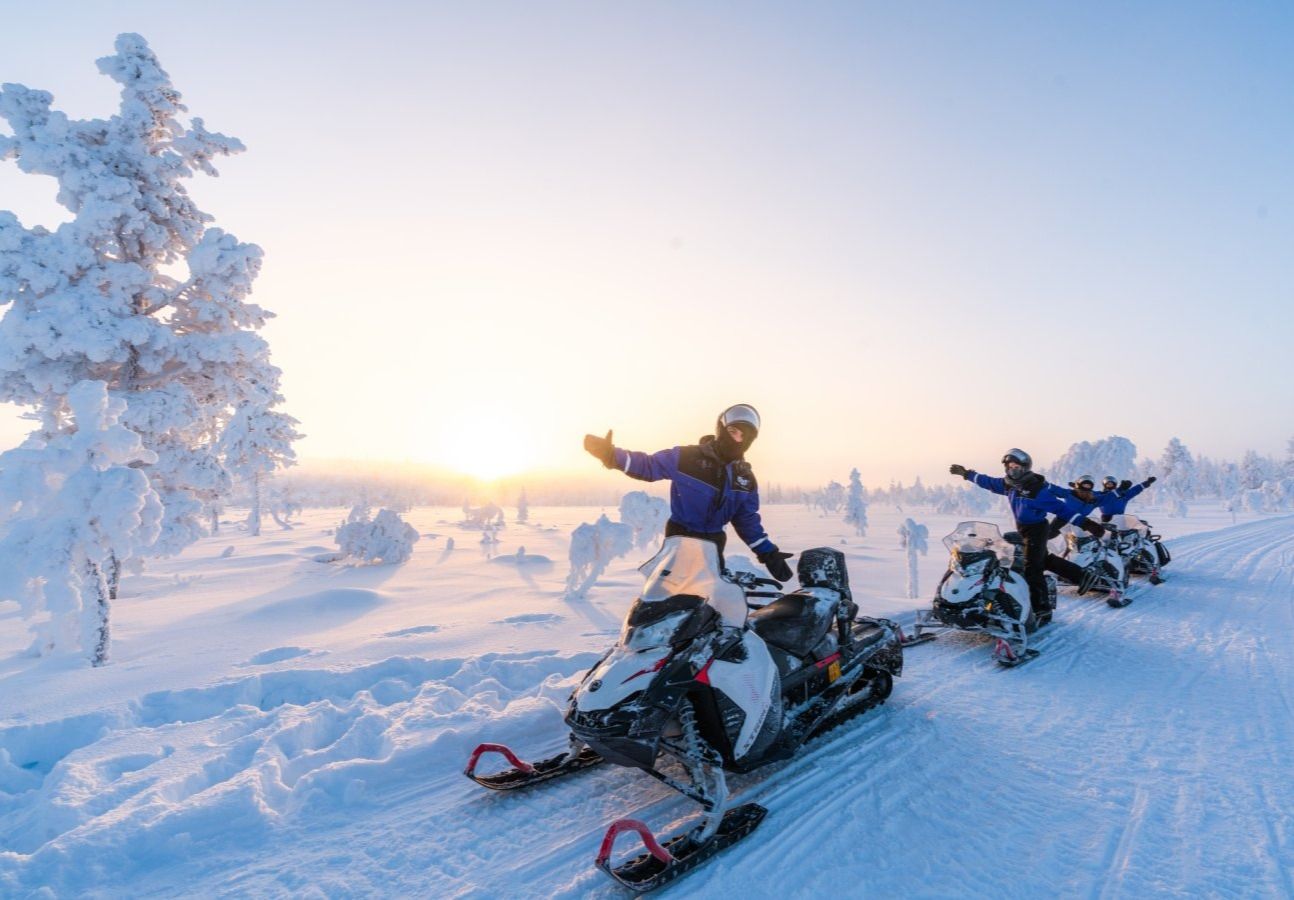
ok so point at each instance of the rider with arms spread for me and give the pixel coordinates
(712, 484)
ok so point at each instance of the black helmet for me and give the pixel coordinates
(746, 419)
(1017, 455)
(1084, 479)
(1109, 480)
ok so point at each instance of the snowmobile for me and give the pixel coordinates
(1104, 556)
(704, 682)
(1143, 552)
(984, 591)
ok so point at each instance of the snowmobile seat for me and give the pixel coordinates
(795, 623)
(867, 634)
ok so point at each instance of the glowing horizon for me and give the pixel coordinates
(921, 237)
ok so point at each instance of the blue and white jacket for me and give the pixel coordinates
(705, 494)
(1032, 510)
(1114, 503)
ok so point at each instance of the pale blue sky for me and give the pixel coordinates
(910, 233)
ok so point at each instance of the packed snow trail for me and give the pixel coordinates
(1145, 752)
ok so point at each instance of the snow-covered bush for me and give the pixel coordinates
(592, 549)
(856, 505)
(487, 516)
(384, 538)
(75, 509)
(914, 539)
(137, 291)
(645, 514)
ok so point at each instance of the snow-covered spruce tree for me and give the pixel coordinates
(1288, 467)
(257, 441)
(1113, 455)
(856, 505)
(136, 291)
(1178, 464)
(74, 508)
(1253, 470)
(523, 508)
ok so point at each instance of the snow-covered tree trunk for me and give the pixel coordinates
(254, 516)
(913, 539)
(99, 630)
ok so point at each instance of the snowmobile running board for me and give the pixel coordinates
(523, 774)
(662, 864)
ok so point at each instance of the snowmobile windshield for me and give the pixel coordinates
(660, 623)
(972, 538)
(1128, 523)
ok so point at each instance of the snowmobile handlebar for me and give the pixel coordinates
(749, 581)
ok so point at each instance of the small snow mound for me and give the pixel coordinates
(278, 654)
(521, 558)
(416, 629)
(227, 552)
(531, 619)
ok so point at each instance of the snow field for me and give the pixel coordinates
(278, 727)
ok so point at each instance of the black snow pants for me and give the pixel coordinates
(1037, 561)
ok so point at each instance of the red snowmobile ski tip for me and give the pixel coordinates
(517, 763)
(649, 841)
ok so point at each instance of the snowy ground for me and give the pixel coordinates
(274, 726)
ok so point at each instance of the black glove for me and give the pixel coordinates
(1124, 484)
(955, 469)
(775, 562)
(1149, 481)
(1053, 531)
(1092, 528)
(602, 448)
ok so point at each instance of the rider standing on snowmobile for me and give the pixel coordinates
(712, 484)
(1031, 499)
(1114, 499)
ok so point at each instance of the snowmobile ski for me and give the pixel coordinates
(1009, 657)
(663, 863)
(1118, 599)
(523, 774)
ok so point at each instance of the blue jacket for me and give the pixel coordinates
(1032, 510)
(1113, 503)
(706, 494)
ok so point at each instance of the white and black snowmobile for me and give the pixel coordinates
(1103, 556)
(1142, 551)
(984, 591)
(696, 681)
